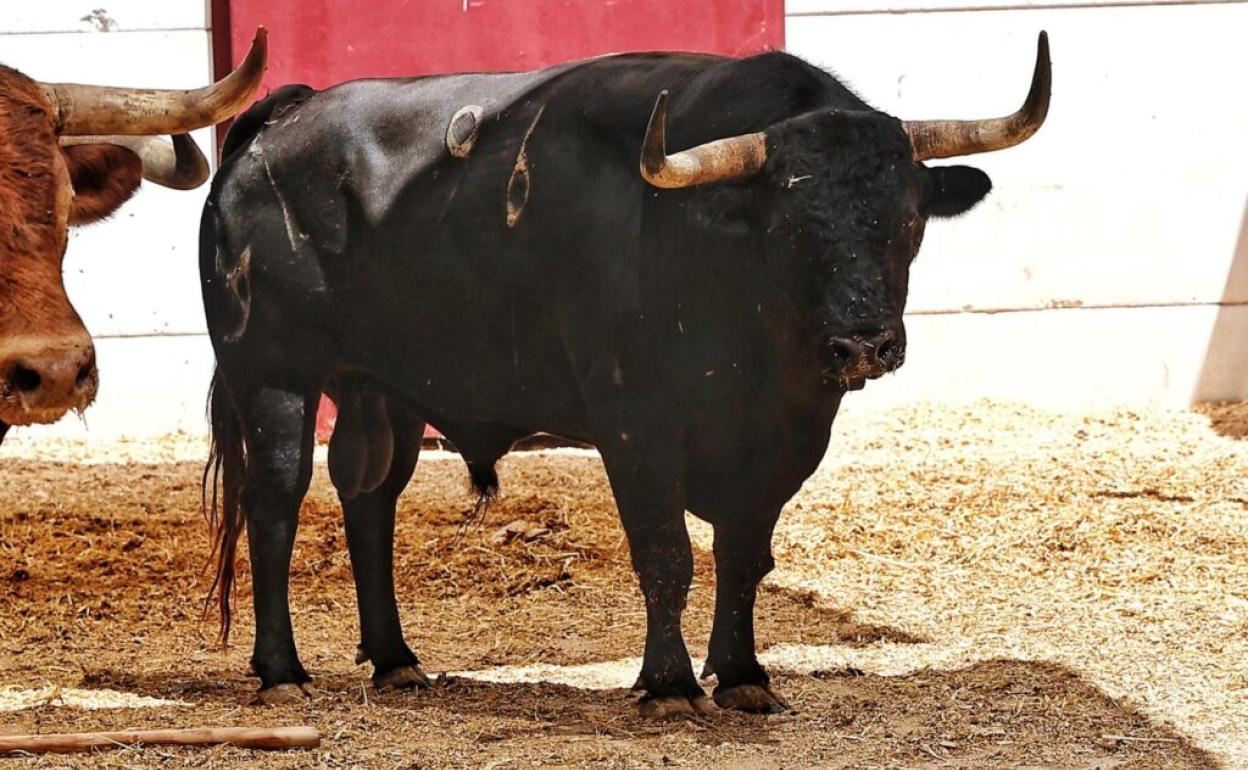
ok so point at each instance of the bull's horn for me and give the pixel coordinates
(951, 138)
(179, 165)
(83, 109)
(736, 157)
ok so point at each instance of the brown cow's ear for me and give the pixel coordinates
(104, 176)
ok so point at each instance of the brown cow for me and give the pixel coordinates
(70, 155)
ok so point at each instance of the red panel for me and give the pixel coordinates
(322, 42)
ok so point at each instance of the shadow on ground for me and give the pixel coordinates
(101, 582)
(994, 714)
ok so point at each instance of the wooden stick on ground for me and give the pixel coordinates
(246, 737)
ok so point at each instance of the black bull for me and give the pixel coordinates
(482, 253)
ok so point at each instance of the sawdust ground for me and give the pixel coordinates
(996, 587)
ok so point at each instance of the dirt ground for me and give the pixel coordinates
(973, 587)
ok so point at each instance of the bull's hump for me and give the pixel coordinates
(384, 133)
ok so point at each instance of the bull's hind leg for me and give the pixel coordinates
(278, 426)
(370, 538)
(742, 560)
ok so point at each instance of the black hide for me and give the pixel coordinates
(539, 284)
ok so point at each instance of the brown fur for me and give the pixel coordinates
(37, 205)
(103, 176)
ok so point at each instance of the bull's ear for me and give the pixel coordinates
(956, 190)
(103, 176)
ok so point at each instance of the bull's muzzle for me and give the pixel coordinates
(867, 357)
(39, 383)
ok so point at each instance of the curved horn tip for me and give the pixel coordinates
(258, 54)
(654, 147)
(658, 116)
(1037, 104)
(260, 42)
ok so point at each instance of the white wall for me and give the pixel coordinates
(1115, 241)
(1109, 267)
(134, 279)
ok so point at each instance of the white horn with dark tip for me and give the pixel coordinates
(951, 138)
(735, 157)
(179, 165)
(82, 110)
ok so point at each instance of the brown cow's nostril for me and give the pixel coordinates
(24, 379)
(86, 373)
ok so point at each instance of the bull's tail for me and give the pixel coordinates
(223, 484)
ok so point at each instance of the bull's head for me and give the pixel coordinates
(70, 155)
(847, 192)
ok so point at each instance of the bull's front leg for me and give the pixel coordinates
(279, 434)
(742, 559)
(647, 480)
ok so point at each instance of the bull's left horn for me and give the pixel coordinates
(736, 157)
(83, 109)
(951, 138)
(179, 165)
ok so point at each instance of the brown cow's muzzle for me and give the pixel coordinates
(41, 380)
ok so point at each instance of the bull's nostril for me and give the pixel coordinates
(888, 349)
(845, 350)
(24, 379)
(887, 352)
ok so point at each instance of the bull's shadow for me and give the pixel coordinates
(991, 715)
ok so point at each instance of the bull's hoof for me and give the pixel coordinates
(671, 706)
(286, 694)
(361, 657)
(401, 678)
(754, 698)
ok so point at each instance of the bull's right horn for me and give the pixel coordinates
(735, 157)
(83, 109)
(180, 165)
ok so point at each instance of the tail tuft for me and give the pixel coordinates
(485, 483)
(484, 480)
(223, 475)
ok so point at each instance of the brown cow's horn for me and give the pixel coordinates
(179, 165)
(736, 157)
(951, 138)
(84, 110)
